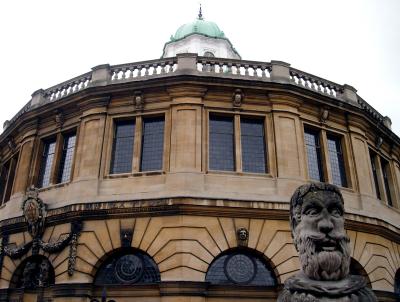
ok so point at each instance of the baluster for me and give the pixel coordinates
(255, 69)
(146, 70)
(246, 70)
(237, 65)
(221, 67)
(162, 68)
(155, 66)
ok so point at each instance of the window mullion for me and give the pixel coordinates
(137, 144)
(56, 160)
(381, 182)
(326, 165)
(238, 145)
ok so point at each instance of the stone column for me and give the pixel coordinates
(23, 175)
(89, 144)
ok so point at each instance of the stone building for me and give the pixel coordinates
(169, 180)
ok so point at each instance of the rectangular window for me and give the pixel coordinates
(152, 144)
(68, 148)
(7, 175)
(253, 145)
(49, 149)
(3, 179)
(313, 147)
(385, 174)
(221, 143)
(122, 153)
(375, 175)
(336, 161)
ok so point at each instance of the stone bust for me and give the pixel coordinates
(317, 224)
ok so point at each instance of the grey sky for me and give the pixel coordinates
(356, 42)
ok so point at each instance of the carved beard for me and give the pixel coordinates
(324, 265)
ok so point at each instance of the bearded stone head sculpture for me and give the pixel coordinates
(316, 215)
(317, 223)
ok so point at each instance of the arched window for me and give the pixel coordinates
(128, 266)
(357, 269)
(33, 272)
(209, 54)
(241, 267)
(397, 283)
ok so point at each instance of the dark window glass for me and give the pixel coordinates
(49, 149)
(375, 175)
(10, 178)
(33, 273)
(253, 145)
(66, 158)
(122, 153)
(385, 173)
(357, 269)
(311, 139)
(3, 180)
(221, 143)
(397, 283)
(240, 267)
(337, 162)
(152, 144)
(128, 267)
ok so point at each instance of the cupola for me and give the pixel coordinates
(202, 37)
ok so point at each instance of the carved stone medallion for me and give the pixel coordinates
(34, 212)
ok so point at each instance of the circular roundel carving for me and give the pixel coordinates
(129, 268)
(240, 268)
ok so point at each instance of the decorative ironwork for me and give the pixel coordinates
(128, 267)
(240, 268)
(35, 272)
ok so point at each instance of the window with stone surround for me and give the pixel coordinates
(138, 145)
(325, 156)
(237, 143)
(241, 267)
(382, 178)
(127, 267)
(7, 175)
(56, 159)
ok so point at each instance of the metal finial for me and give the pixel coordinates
(200, 13)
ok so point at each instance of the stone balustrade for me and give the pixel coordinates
(315, 83)
(240, 68)
(141, 70)
(191, 64)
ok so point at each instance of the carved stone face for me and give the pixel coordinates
(243, 234)
(320, 236)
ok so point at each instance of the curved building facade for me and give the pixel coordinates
(170, 180)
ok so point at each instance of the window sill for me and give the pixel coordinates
(54, 186)
(135, 174)
(235, 173)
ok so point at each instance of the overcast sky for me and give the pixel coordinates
(356, 42)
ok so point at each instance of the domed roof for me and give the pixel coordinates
(199, 26)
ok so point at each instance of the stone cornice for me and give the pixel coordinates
(186, 206)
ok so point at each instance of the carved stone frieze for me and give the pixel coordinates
(34, 211)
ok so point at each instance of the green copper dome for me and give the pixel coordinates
(200, 26)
